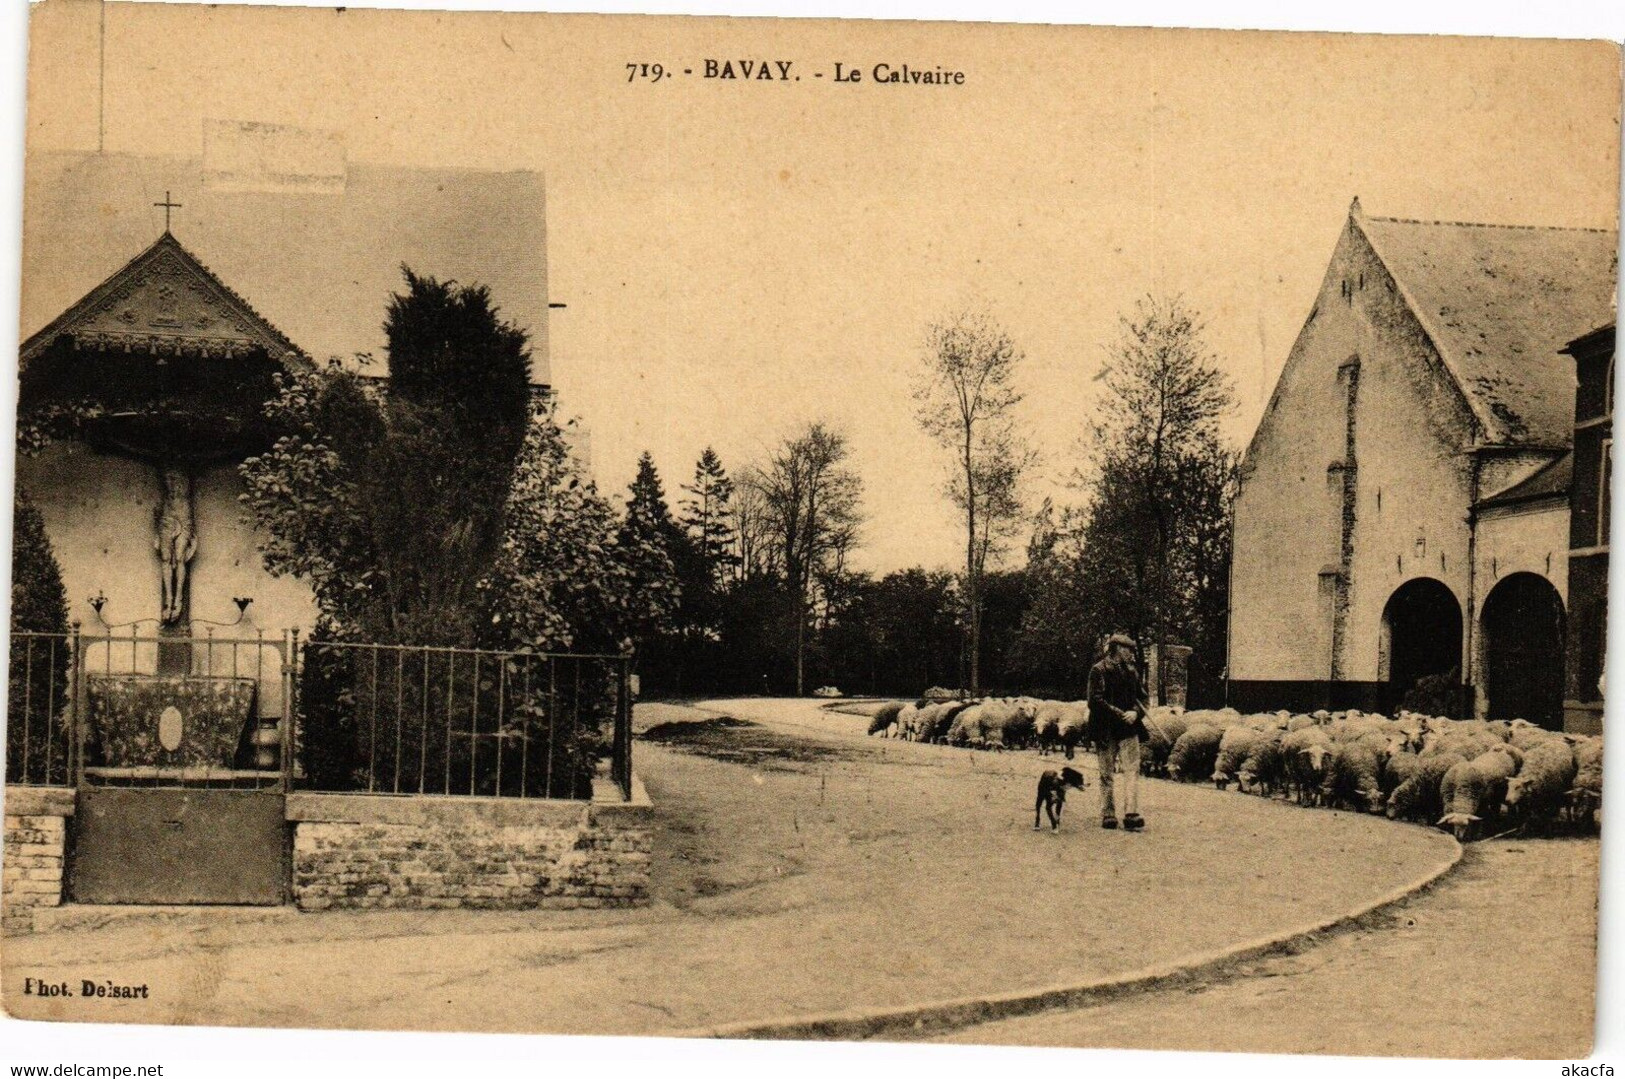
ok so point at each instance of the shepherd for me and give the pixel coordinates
(1117, 708)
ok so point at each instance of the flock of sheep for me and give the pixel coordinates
(994, 723)
(1457, 774)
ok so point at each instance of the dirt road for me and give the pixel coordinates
(800, 868)
(1498, 961)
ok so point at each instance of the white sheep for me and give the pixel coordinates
(1263, 769)
(1304, 753)
(1585, 796)
(1196, 752)
(1233, 748)
(1354, 773)
(1418, 796)
(1546, 775)
(1073, 726)
(1472, 789)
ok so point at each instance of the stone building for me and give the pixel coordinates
(1403, 522)
(1592, 475)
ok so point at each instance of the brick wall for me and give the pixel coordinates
(418, 853)
(35, 839)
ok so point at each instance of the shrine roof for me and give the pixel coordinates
(320, 264)
(166, 301)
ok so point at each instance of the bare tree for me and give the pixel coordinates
(1159, 468)
(965, 398)
(747, 513)
(810, 509)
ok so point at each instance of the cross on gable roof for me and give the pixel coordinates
(1499, 303)
(167, 302)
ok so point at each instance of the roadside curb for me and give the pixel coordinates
(913, 1020)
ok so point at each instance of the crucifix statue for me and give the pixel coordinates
(175, 541)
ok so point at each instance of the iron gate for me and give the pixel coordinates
(182, 767)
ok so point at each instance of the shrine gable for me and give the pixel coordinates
(165, 302)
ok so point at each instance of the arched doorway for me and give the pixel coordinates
(1524, 628)
(1422, 633)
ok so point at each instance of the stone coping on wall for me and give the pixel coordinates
(29, 801)
(34, 801)
(607, 806)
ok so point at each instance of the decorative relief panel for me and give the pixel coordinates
(167, 303)
(166, 308)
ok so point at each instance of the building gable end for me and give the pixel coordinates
(1415, 310)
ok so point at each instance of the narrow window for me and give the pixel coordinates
(1605, 476)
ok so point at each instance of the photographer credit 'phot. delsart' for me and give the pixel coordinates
(640, 511)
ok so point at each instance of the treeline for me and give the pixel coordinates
(767, 602)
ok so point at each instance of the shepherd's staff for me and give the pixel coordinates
(1145, 717)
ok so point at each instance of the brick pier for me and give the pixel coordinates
(35, 847)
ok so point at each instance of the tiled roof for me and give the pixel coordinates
(1499, 303)
(1550, 481)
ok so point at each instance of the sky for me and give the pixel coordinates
(740, 258)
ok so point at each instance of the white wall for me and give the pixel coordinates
(1287, 514)
(1416, 475)
(1414, 482)
(99, 512)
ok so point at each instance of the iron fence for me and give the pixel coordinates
(416, 719)
(272, 711)
(40, 728)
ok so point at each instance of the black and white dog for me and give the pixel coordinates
(1052, 787)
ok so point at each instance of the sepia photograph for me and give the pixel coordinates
(831, 530)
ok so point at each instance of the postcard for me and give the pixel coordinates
(811, 529)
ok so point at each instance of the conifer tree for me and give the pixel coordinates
(649, 528)
(707, 516)
(36, 737)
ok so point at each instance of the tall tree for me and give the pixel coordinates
(1159, 476)
(391, 502)
(39, 602)
(707, 514)
(748, 520)
(37, 749)
(916, 630)
(451, 352)
(1045, 536)
(444, 509)
(1052, 644)
(571, 574)
(965, 395)
(810, 499)
(648, 528)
